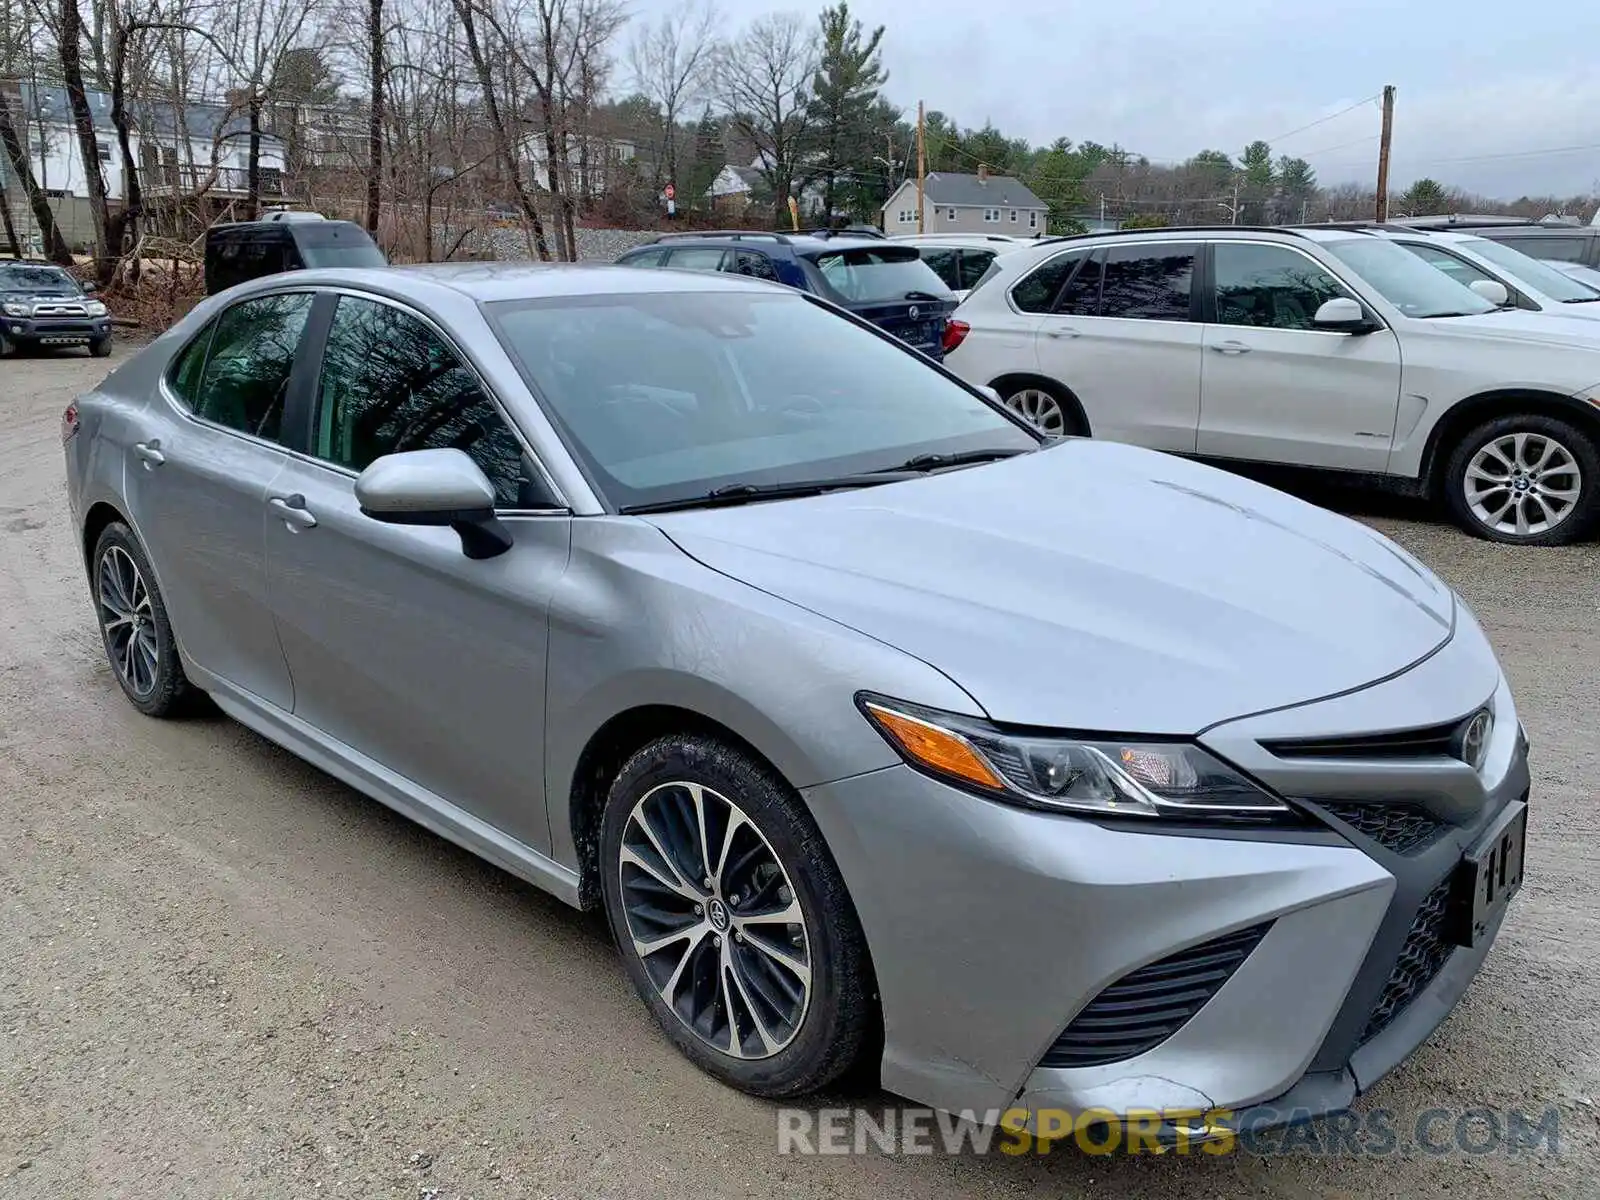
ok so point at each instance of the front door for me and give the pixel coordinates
(1123, 335)
(401, 647)
(202, 457)
(1275, 388)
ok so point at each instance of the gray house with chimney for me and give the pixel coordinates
(955, 203)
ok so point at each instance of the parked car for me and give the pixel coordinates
(1500, 273)
(42, 305)
(1315, 348)
(960, 259)
(877, 280)
(683, 598)
(284, 241)
(1577, 271)
(1537, 239)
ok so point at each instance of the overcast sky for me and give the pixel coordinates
(1165, 79)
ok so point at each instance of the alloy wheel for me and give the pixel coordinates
(1039, 408)
(713, 917)
(1521, 484)
(128, 619)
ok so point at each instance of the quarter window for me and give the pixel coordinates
(1148, 283)
(1270, 287)
(184, 378)
(390, 384)
(246, 378)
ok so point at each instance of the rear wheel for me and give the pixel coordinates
(134, 626)
(1527, 480)
(732, 920)
(1044, 407)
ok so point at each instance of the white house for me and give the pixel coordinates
(212, 135)
(734, 187)
(957, 203)
(594, 161)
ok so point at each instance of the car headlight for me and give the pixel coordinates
(18, 310)
(1102, 776)
(96, 309)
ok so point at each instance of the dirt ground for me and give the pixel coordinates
(224, 974)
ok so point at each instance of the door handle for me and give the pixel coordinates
(1230, 348)
(1061, 333)
(150, 452)
(293, 510)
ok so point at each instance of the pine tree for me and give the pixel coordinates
(843, 97)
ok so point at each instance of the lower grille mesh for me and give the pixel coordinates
(1423, 956)
(1402, 828)
(1145, 1007)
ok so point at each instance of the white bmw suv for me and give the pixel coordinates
(1335, 349)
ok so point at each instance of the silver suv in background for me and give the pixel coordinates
(1328, 349)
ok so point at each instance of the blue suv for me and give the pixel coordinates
(877, 280)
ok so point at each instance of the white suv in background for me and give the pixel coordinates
(1333, 349)
(1499, 273)
(960, 259)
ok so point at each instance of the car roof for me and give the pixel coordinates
(801, 243)
(491, 281)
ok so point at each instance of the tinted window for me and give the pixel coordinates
(1560, 248)
(946, 265)
(184, 378)
(973, 264)
(753, 264)
(696, 260)
(1081, 296)
(390, 384)
(246, 378)
(1270, 287)
(1035, 292)
(667, 396)
(1147, 283)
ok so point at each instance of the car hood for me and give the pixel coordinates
(1094, 586)
(1576, 331)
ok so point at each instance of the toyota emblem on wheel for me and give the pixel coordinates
(717, 914)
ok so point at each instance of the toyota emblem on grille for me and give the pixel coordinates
(1472, 742)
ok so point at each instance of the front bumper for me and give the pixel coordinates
(992, 927)
(71, 331)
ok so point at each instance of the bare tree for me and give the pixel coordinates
(375, 45)
(55, 245)
(69, 43)
(670, 64)
(764, 79)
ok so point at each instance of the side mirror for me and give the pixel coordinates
(1492, 290)
(90, 288)
(435, 487)
(1342, 315)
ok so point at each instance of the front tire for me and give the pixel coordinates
(134, 627)
(732, 919)
(101, 347)
(1528, 480)
(1044, 407)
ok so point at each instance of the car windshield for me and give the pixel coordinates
(666, 396)
(880, 274)
(16, 277)
(1537, 275)
(1405, 281)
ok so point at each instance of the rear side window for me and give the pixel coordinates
(974, 263)
(946, 265)
(246, 377)
(1081, 296)
(1148, 283)
(1036, 292)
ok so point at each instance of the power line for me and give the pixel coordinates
(1321, 120)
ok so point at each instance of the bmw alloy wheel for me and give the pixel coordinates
(128, 618)
(713, 918)
(1040, 409)
(1521, 484)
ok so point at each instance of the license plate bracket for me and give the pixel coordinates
(1489, 874)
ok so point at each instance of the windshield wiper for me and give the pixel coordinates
(1582, 300)
(744, 493)
(915, 295)
(932, 462)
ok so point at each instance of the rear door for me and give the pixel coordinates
(1124, 336)
(1275, 389)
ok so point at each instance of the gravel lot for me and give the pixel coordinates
(226, 974)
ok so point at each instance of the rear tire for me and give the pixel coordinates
(134, 627)
(1528, 480)
(761, 953)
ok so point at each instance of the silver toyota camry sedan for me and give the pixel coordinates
(1045, 775)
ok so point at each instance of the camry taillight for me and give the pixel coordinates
(69, 421)
(955, 332)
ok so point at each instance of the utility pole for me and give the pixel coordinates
(1234, 211)
(922, 169)
(1383, 154)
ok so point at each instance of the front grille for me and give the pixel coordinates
(1401, 828)
(1433, 741)
(1145, 1007)
(60, 310)
(1423, 956)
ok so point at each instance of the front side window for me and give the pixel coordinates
(645, 258)
(665, 397)
(696, 259)
(390, 384)
(1036, 292)
(1148, 283)
(1405, 281)
(246, 378)
(1270, 287)
(1457, 268)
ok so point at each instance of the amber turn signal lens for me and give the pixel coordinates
(935, 748)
